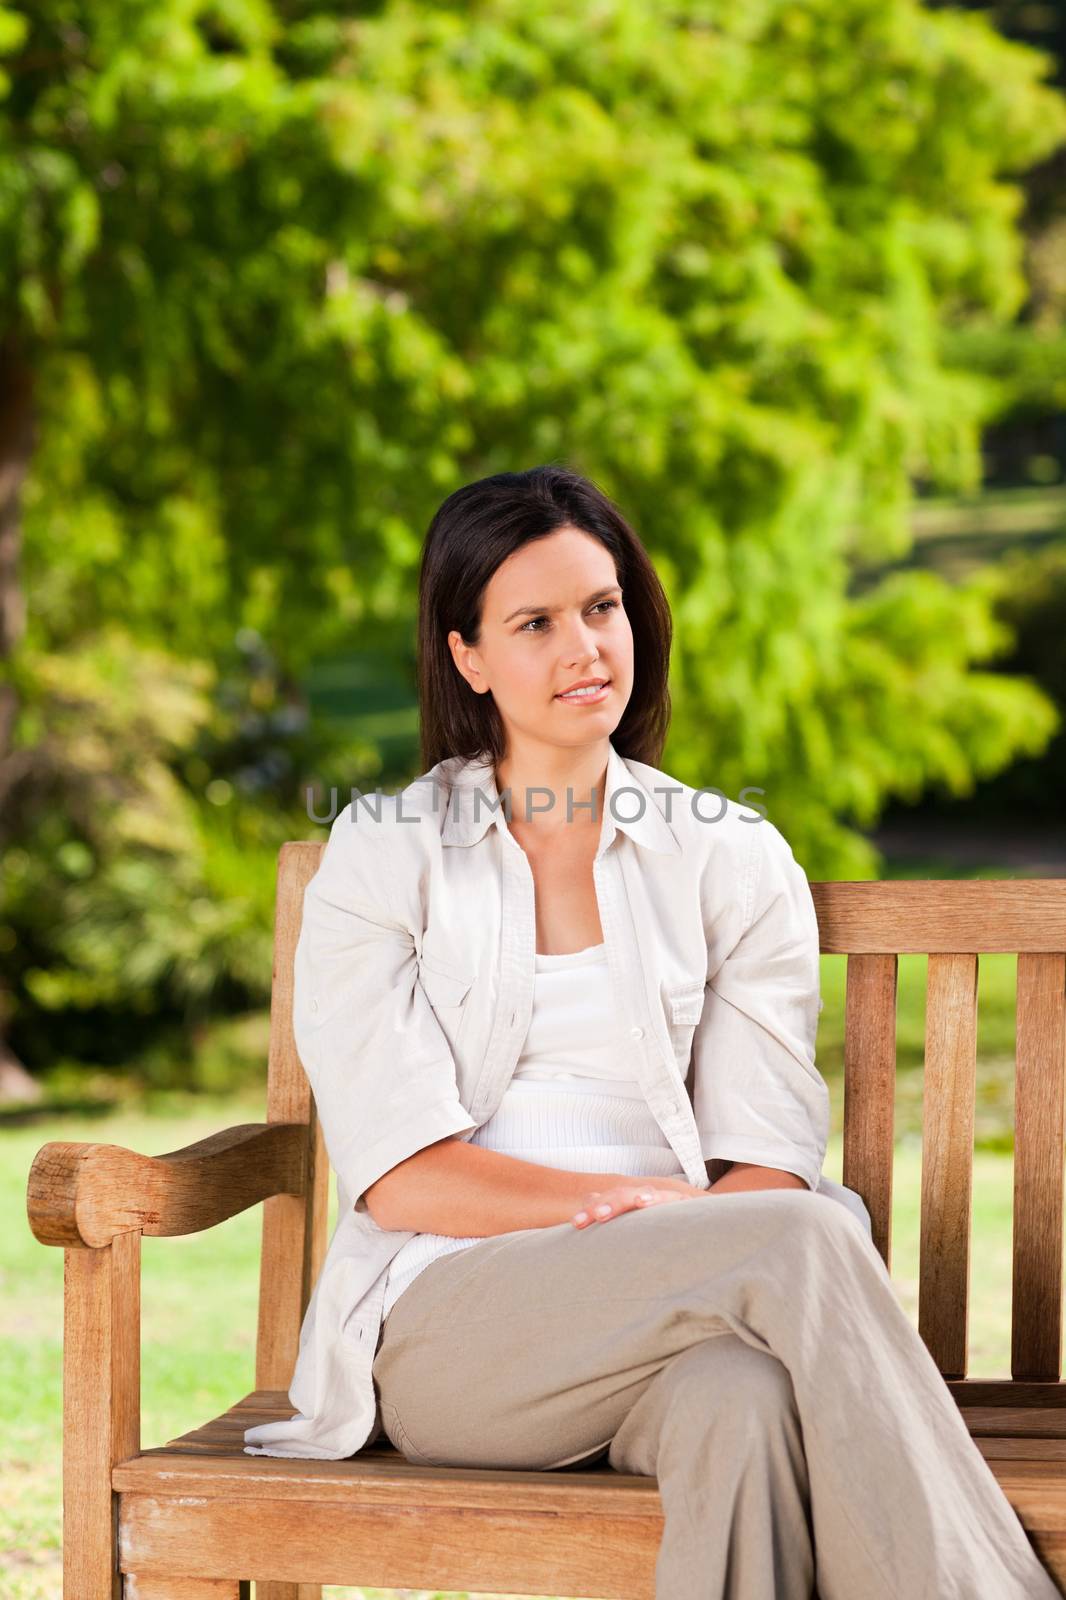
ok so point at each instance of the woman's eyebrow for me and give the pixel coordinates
(599, 594)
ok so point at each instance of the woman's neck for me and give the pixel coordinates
(553, 794)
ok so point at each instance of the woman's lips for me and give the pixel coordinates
(586, 699)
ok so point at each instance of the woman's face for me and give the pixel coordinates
(552, 615)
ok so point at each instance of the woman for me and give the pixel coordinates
(533, 1024)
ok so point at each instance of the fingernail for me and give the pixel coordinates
(582, 1216)
(603, 1211)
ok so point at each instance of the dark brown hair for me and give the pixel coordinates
(471, 534)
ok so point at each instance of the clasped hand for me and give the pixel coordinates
(638, 1194)
(601, 1204)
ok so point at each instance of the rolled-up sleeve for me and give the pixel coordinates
(757, 1093)
(379, 1064)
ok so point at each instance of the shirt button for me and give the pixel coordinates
(636, 1033)
(314, 1005)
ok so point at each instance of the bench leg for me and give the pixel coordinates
(101, 1406)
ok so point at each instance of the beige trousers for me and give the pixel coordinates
(748, 1350)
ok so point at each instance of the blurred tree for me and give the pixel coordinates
(1024, 440)
(279, 276)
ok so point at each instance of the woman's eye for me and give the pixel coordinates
(528, 627)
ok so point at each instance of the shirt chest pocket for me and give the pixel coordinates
(446, 989)
(684, 1007)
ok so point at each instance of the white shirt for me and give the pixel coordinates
(570, 1102)
(413, 990)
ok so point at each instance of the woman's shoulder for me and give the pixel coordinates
(388, 830)
(731, 852)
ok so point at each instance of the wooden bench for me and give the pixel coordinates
(197, 1518)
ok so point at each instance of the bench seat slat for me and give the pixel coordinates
(370, 1481)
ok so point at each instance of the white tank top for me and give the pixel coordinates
(570, 1102)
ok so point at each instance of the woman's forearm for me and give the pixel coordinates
(746, 1175)
(465, 1190)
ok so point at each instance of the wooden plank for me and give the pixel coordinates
(1016, 1421)
(947, 1159)
(1022, 1448)
(294, 1227)
(101, 1407)
(870, 1089)
(1039, 1132)
(141, 1588)
(1037, 1491)
(416, 1547)
(86, 1194)
(1006, 1392)
(595, 1491)
(1002, 1431)
(941, 916)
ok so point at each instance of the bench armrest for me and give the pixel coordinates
(87, 1194)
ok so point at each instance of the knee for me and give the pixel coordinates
(757, 1378)
(720, 1397)
(724, 1376)
(807, 1211)
(850, 1199)
(812, 1225)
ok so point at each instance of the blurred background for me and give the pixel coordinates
(788, 280)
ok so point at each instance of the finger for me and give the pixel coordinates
(633, 1200)
(593, 1210)
(603, 1210)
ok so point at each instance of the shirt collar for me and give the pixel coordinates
(629, 806)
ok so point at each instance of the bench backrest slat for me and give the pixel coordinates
(1039, 1132)
(294, 1226)
(870, 1088)
(947, 1159)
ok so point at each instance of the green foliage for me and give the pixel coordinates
(144, 901)
(1028, 594)
(288, 276)
(1027, 365)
